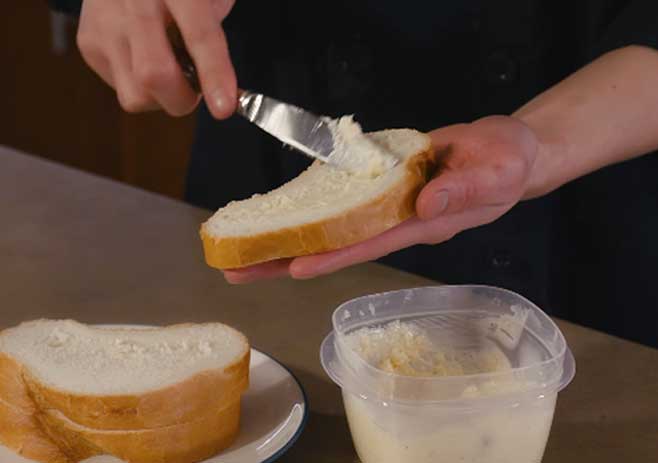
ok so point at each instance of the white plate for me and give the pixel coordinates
(274, 413)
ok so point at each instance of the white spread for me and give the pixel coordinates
(61, 340)
(428, 433)
(357, 153)
(405, 349)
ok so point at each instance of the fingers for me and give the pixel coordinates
(126, 43)
(265, 271)
(155, 69)
(408, 233)
(412, 232)
(98, 63)
(90, 49)
(132, 97)
(222, 8)
(206, 43)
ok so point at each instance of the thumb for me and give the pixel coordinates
(451, 192)
(453, 189)
(483, 163)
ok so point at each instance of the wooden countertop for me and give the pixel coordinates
(79, 246)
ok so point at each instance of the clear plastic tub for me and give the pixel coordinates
(499, 416)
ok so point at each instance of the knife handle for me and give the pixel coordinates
(184, 59)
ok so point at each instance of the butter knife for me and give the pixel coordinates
(308, 133)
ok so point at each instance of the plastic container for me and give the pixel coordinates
(502, 416)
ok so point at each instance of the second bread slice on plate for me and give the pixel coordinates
(123, 379)
(189, 442)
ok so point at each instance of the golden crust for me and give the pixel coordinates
(179, 403)
(186, 443)
(12, 387)
(22, 433)
(176, 404)
(353, 226)
(42, 424)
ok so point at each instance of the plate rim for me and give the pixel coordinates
(302, 425)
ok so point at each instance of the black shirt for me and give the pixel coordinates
(587, 252)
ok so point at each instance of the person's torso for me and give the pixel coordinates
(424, 65)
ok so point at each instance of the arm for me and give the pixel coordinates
(605, 113)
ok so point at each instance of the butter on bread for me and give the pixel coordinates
(323, 209)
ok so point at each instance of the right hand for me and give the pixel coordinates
(125, 42)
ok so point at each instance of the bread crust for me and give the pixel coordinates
(21, 432)
(186, 443)
(201, 416)
(175, 404)
(179, 403)
(350, 227)
(12, 386)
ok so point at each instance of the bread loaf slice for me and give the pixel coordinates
(49, 437)
(323, 209)
(21, 432)
(167, 395)
(189, 442)
(123, 379)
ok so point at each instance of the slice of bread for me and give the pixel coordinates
(69, 391)
(185, 443)
(125, 378)
(21, 432)
(323, 209)
(49, 437)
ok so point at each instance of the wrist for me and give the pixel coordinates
(544, 174)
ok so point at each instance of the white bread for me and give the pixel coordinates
(125, 378)
(323, 209)
(168, 395)
(49, 437)
(22, 433)
(189, 442)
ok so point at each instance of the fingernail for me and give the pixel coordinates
(439, 204)
(218, 100)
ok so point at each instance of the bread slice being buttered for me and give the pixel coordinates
(323, 209)
(147, 395)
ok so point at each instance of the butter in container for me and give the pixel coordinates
(447, 373)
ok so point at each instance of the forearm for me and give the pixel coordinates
(603, 114)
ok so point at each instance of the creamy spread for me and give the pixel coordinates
(405, 349)
(428, 435)
(389, 432)
(357, 153)
(63, 342)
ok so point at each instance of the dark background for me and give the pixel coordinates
(53, 105)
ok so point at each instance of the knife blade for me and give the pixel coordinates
(294, 126)
(309, 133)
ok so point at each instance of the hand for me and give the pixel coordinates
(125, 42)
(485, 169)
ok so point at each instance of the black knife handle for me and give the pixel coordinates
(183, 57)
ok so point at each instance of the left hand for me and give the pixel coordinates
(485, 169)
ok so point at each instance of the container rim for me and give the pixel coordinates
(328, 349)
(563, 357)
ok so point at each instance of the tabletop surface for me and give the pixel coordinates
(73, 245)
